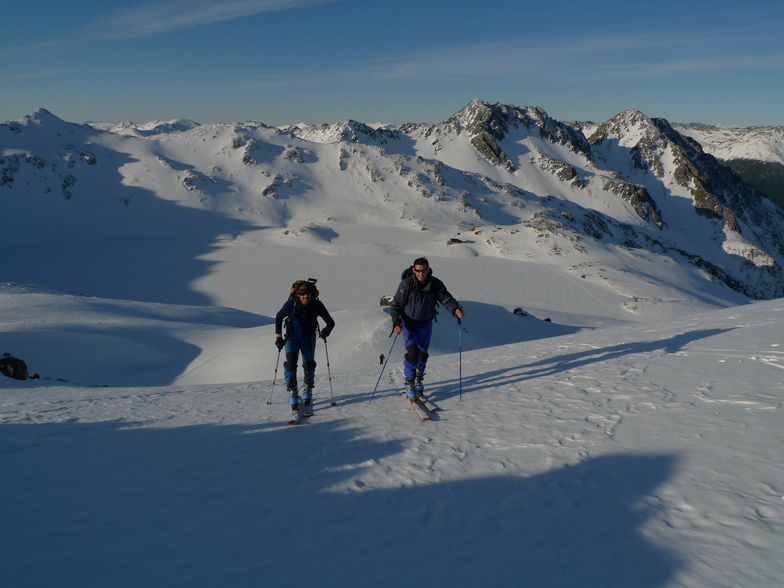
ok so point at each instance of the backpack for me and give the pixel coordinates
(311, 282)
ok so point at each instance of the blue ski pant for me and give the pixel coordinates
(417, 339)
(307, 348)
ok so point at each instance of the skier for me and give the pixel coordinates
(381, 359)
(413, 309)
(301, 310)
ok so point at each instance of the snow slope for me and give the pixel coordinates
(728, 143)
(640, 455)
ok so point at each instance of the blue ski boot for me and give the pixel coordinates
(419, 386)
(307, 402)
(410, 390)
(294, 402)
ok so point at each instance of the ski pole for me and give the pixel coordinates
(383, 368)
(332, 396)
(275, 377)
(460, 354)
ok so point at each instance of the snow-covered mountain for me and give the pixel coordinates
(756, 154)
(729, 143)
(620, 203)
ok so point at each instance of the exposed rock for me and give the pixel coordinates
(13, 367)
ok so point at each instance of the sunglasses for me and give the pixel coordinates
(303, 293)
(422, 271)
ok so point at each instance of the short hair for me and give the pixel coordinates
(422, 261)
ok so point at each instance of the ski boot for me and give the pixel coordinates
(411, 393)
(308, 395)
(307, 402)
(419, 386)
(294, 402)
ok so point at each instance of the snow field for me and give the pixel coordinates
(643, 455)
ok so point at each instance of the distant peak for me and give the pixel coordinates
(42, 115)
(492, 117)
(349, 130)
(626, 123)
(489, 122)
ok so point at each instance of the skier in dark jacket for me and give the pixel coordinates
(413, 310)
(301, 310)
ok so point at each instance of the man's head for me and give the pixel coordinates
(304, 293)
(422, 270)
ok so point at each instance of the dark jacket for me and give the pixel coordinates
(417, 302)
(302, 319)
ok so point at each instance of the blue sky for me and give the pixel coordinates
(316, 61)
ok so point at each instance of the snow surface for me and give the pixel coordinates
(603, 448)
(641, 455)
(728, 143)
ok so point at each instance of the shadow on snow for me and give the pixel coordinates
(103, 505)
(562, 363)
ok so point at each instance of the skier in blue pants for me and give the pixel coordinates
(413, 310)
(301, 310)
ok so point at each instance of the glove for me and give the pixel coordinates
(325, 333)
(280, 343)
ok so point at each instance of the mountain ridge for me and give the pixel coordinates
(496, 179)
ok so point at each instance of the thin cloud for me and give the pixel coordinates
(567, 59)
(23, 76)
(160, 17)
(614, 55)
(511, 58)
(588, 57)
(767, 62)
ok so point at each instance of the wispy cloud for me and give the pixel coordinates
(704, 65)
(23, 76)
(568, 59)
(159, 17)
(604, 56)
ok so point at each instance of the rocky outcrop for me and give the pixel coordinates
(488, 124)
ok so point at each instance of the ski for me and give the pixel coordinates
(420, 412)
(428, 404)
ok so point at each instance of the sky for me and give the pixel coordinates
(321, 61)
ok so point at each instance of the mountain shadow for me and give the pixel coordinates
(766, 176)
(101, 504)
(107, 238)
